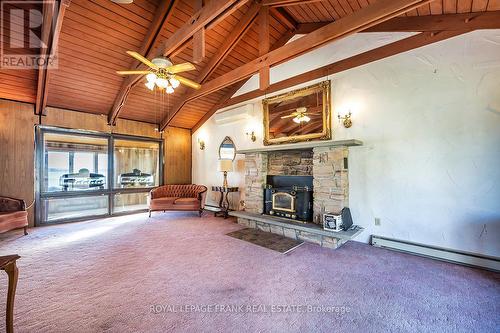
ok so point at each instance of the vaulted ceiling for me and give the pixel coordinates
(95, 35)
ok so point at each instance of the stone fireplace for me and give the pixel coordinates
(327, 165)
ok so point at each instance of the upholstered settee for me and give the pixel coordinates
(177, 198)
(13, 214)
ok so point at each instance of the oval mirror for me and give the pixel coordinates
(227, 149)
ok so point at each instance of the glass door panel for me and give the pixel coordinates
(55, 209)
(74, 163)
(136, 163)
(127, 202)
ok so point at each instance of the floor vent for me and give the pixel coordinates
(439, 253)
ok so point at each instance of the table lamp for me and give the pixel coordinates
(225, 166)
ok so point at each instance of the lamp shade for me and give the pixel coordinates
(225, 165)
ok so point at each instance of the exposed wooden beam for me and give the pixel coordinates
(49, 8)
(160, 20)
(200, 19)
(404, 45)
(54, 44)
(282, 15)
(214, 10)
(362, 19)
(217, 106)
(281, 3)
(162, 16)
(445, 22)
(279, 43)
(209, 26)
(198, 38)
(229, 43)
(264, 46)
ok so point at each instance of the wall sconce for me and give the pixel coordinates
(201, 143)
(252, 136)
(346, 119)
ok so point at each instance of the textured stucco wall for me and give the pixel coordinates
(430, 123)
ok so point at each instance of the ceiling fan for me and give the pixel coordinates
(122, 1)
(300, 115)
(162, 73)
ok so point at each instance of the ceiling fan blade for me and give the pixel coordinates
(186, 66)
(188, 82)
(289, 116)
(132, 72)
(142, 59)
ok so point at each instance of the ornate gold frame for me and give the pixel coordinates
(326, 134)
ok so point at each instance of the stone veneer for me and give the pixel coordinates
(291, 163)
(255, 179)
(331, 183)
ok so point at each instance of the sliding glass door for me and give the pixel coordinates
(82, 175)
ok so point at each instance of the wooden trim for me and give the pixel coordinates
(404, 45)
(360, 20)
(43, 84)
(234, 37)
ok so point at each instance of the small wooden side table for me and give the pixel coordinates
(8, 264)
(224, 200)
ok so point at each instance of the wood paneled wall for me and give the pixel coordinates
(17, 142)
(17, 153)
(177, 158)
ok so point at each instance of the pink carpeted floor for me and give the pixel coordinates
(176, 272)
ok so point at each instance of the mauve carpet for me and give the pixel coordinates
(134, 274)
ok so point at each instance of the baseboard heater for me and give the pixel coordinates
(439, 253)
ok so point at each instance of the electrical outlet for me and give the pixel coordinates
(377, 221)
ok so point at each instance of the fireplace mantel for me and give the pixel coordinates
(303, 145)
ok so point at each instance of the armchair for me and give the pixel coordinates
(13, 214)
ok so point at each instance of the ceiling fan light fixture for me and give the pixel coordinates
(151, 77)
(162, 83)
(170, 89)
(150, 85)
(301, 119)
(174, 82)
(162, 62)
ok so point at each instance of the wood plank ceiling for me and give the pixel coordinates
(96, 33)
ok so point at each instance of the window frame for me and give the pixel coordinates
(110, 191)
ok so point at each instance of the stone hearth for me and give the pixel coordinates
(308, 232)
